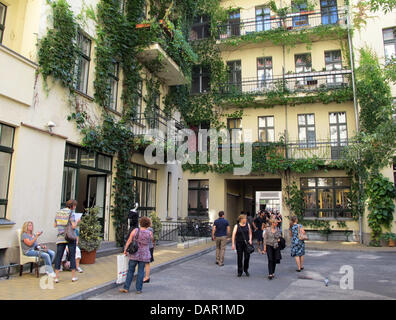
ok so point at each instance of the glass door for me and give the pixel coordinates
(96, 194)
(263, 19)
(328, 9)
(338, 134)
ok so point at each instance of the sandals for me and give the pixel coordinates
(124, 290)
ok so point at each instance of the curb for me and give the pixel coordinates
(349, 250)
(112, 284)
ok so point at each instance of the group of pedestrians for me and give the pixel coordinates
(31, 247)
(268, 232)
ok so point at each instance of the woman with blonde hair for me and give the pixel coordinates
(272, 237)
(297, 245)
(240, 235)
(31, 248)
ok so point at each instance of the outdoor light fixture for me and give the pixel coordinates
(50, 125)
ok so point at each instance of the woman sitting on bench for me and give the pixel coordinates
(31, 248)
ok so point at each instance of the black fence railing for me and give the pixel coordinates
(294, 83)
(292, 21)
(182, 231)
(324, 150)
(157, 119)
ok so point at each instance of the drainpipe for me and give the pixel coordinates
(355, 103)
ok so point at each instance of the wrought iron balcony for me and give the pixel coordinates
(292, 83)
(321, 149)
(143, 123)
(292, 21)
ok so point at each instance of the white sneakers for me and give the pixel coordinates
(51, 274)
(80, 270)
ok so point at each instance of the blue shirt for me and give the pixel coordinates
(221, 225)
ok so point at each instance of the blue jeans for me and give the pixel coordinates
(131, 271)
(48, 257)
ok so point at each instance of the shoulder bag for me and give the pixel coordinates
(250, 248)
(302, 236)
(282, 243)
(133, 246)
(70, 233)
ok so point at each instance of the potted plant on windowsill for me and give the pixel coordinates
(390, 237)
(90, 235)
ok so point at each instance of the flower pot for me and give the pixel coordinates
(391, 243)
(88, 257)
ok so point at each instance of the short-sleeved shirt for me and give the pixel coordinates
(25, 247)
(221, 225)
(61, 219)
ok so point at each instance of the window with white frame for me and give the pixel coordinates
(266, 129)
(113, 82)
(389, 43)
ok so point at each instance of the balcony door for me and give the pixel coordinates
(338, 134)
(234, 24)
(301, 19)
(303, 65)
(264, 72)
(263, 19)
(328, 9)
(333, 63)
(234, 75)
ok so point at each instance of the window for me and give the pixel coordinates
(389, 44)
(333, 62)
(6, 150)
(198, 198)
(145, 186)
(306, 130)
(200, 28)
(264, 72)
(303, 64)
(200, 79)
(235, 128)
(266, 129)
(327, 197)
(328, 9)
(3, 10)
(234, 75)
(263, 19)
(88, 158)
(113, 79)
(234, 24)
(394, 171)
(302, 19)
(82, 63)
(338, 133)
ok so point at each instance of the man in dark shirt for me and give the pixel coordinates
(258, 225)
(221, 228)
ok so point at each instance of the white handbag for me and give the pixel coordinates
(122, 268)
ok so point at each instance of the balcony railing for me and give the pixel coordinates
(293, 21)
(293, 83)
(158, 120)
(326, 150)
(321, 149)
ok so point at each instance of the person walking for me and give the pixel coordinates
(240, 235)
(258, 225)
(143, 238)
(147, 266)
(220, 231)
(61, 221)
(31, 248)
(297, 245)
(272, 237)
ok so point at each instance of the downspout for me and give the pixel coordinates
(356, 107)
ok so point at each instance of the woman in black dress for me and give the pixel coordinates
(240, 235)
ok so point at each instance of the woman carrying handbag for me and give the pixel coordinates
(298, 236)
(272, 239)
(240, 234)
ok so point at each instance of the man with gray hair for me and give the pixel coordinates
(221, 228)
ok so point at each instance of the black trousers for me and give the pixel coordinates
(60, 248)
(243, 256)
(273, 258)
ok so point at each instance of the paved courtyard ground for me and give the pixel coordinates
(199, 278)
